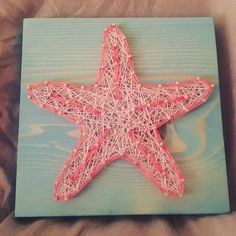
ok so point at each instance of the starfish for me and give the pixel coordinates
(119, 117)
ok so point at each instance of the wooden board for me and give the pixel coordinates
(164, 50)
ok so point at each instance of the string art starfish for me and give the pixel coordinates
(119, 118)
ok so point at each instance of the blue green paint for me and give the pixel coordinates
(64, 49)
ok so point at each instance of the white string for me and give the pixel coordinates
(119, 118)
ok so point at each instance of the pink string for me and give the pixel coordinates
(119, 118)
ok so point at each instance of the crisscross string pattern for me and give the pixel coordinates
(119, 117)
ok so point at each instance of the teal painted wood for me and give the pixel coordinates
(164, 50)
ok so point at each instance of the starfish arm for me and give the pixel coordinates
(169, 101)
(153, 159)
(116, 63)
(87, 159)
(72, 102)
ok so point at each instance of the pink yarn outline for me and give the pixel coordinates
(36, 94)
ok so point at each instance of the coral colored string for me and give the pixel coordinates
(119, 118)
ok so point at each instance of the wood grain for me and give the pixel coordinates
(164, 50)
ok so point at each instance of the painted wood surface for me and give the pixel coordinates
(164, 50)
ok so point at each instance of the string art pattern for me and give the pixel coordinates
(119, 118)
